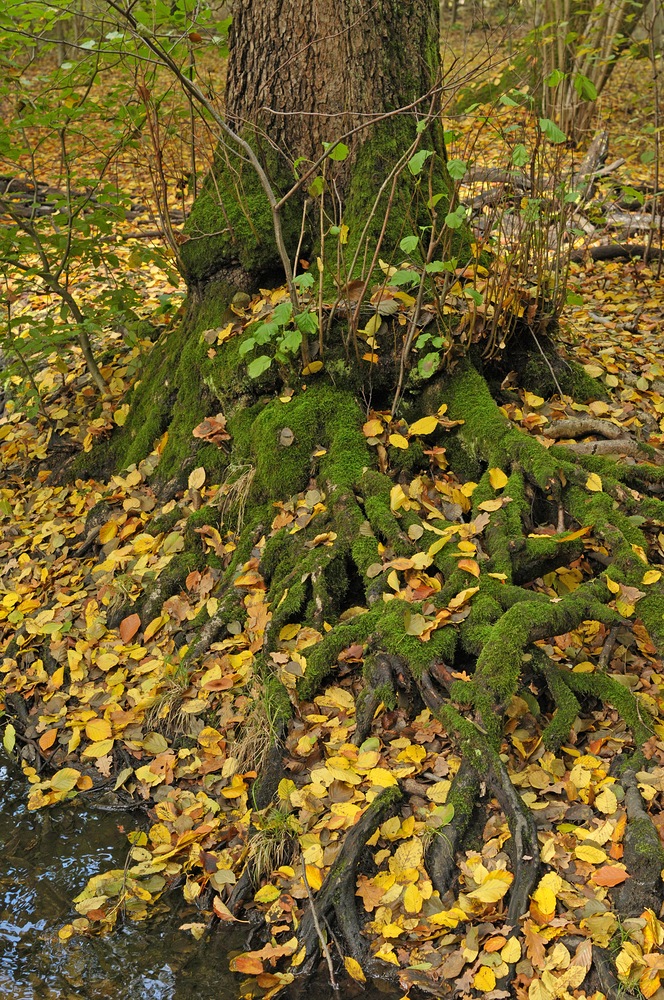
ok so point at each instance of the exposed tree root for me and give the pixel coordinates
(337, 574)
(337, 894)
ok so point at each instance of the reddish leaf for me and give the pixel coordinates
(129, 626)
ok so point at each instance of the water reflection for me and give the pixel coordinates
(46, 858)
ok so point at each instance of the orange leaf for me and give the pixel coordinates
(129, 626)
(470, 566)
(47, 739)
(249, 964)
(610, 875)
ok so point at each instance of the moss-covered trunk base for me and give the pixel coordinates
(380, 577)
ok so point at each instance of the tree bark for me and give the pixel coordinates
(303, 73)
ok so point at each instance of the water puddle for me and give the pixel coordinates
(46, 858)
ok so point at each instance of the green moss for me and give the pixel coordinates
(322, 657)
(498, 669)
(569, 375)
(376, 491)
(231, 220)
(487, 432)
(164, 522)
(650, 610)
(557, 731)
(386, 694)
(619, 697)
(407, 460)
(320, 418)
(206, 516)
(399, 213)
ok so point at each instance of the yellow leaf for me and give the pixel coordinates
(98, 729)
(586, 852)
(511, 952)
(285, 788)
(532, 400)
(225, 333)
(652, 576)
(497, 478)
(408, 855)
(196, 478)
(314, 877)
(121, 414)
(606, 802)
(154, 626)
(426, 425)
(545, 899)
(493, 888)
(380, 776)
(373, 326)
(484, 980)
(354, 969)
(413, 754)
(267, 894)
(289, 631)
(312, 368)
(108, 531)
(594, 483)
(373, 428)
(385, 955)
(98, 749)
(65, 780)
(9, 738)
(372, 357)
(490, 505)
(412, 899)
(612, 585)
(398, 441)
(439, 791)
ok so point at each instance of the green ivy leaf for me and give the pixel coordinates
(307, 322)
(428, 365)
(554, 78)
(409, 243)
(258, 366)
(456, 169)
(585, 88)
(551, 130)
(519, 155)
(338, 152)
(282, 314)
(417, 161)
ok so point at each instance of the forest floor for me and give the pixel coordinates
(104, 709)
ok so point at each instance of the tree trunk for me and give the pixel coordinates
(432, 627)
(305, 73)
(301, 75)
